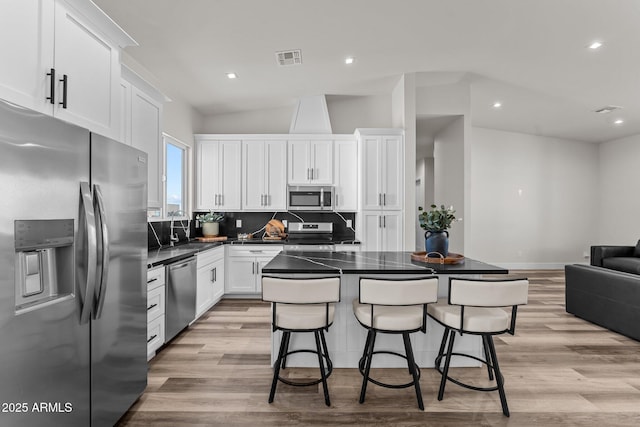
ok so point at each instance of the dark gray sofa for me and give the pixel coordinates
(607, 292)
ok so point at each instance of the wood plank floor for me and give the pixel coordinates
(559, 371)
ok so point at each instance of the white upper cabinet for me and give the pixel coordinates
(65, 61)
(264, 175)
(141, 127)
(218, 172)
(310, 162)
(382, 177)
(26, 43)
(346, 176)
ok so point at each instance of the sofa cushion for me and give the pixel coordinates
(636, 251)
(626, 264)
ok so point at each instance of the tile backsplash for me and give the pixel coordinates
(251, 223)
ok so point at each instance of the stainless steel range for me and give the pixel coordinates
(310, 236)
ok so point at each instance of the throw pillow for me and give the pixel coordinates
(636, 252)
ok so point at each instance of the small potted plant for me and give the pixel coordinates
(210, 223)
(436, 222)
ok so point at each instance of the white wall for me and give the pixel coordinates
(403, 116)
(346, 113)
(618, 208)
(535, 199)
(272, 120)
(449, 176)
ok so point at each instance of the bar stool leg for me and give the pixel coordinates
(447, 360)
(276, 368)
(487, 357)
(323, 374)
(363, 359)
(412, 368)
(445, 335)
(286, 336)
(326, 350)
(499, 377)
(367, 369)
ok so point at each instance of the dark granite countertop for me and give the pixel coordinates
(369, 263)
(169, 254)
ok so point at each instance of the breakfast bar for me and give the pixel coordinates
(346, 338)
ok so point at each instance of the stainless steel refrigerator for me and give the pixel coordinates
(73, 249)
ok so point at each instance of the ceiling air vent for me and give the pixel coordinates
(289, 57)
(608, 109)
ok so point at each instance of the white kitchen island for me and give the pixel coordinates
(346, 337)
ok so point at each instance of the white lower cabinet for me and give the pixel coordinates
(244, 267)
(209, 279)
(155, 310)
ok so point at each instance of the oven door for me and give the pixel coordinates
(310, 199)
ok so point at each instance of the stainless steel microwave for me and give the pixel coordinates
(310, 199)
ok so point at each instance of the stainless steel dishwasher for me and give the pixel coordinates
(180, 307)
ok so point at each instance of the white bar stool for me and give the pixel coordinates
(302, 305)
(397, 306)
(474, 308)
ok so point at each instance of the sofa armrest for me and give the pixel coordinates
(600, 252)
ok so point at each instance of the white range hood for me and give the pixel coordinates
(311, 116)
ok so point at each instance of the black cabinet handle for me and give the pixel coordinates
(151, 306)
(64, 81)
(152, 280)
(151, 339)
(52, 88)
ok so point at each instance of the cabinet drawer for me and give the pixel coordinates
(209, 256)
(155, 335)
(155, 303)
(155, 278)
(255, 250)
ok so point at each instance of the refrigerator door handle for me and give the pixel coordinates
(87, 294)
(103, 232)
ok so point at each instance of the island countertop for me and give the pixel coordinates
(295, 262)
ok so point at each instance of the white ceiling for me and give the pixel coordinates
(529, 54)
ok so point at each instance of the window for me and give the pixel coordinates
(176, 172)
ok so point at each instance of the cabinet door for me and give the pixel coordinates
(207, 174)
(371, 178)
(392, 231)
(204, 288)
(241, 275)
(146, 115)
(230, 188)
(322, 162)
(218, 280)
(299, 163)
(26, 43)
(276, 176)
(392, 172)
(92, 66)
(346, 176)
(253, 167)
(372, 231)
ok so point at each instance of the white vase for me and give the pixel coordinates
(210, 229)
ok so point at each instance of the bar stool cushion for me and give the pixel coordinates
(389, 318)
(303, 316)
(476, 319)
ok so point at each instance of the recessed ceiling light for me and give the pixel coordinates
(595, 45)
(618, 122)
(232, 75)
(349, 60)
(497, 104)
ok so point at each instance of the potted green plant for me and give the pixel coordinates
(436, 222)
(210, 223)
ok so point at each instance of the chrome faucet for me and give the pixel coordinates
(173, 237)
